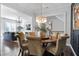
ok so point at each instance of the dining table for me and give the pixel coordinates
(50, 40)
(46, 40)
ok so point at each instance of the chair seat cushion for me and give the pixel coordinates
(52, 49)
(25, 46)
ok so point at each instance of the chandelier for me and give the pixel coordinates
(41, 19)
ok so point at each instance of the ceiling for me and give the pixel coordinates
(35, 8)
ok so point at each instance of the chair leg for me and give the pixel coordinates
(26, 53)
(19, 52)
(22, 53)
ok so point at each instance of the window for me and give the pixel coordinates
(10, 27)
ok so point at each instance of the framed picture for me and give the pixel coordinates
(28, 26)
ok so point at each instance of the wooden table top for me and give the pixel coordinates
(47, 39)
(37, 38)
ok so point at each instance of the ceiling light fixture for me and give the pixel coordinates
(41, 19)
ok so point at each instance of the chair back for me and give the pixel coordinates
(55, 35)
(60, 45)
(21, 35)
(35, 47)
(32, 34)
(20, 38)
(42, 34)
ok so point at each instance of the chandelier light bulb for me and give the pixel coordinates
(41, 19)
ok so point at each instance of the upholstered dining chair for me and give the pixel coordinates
(58, 49)
(42, 34)
(35, 47)
(32, 34)
(55, 35)
(22, 44)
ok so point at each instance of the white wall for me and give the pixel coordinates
(57, 24)
(68, 23)
(34, 23)
(3, 20)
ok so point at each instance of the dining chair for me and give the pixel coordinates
(43, 37)
(58, 49)
(35, 47)
(42, 34)
(55, 35)
(22, 44)
(32, 34)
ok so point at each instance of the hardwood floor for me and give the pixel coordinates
(12, 49)
(68, 51)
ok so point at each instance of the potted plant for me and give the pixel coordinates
(41, 28)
